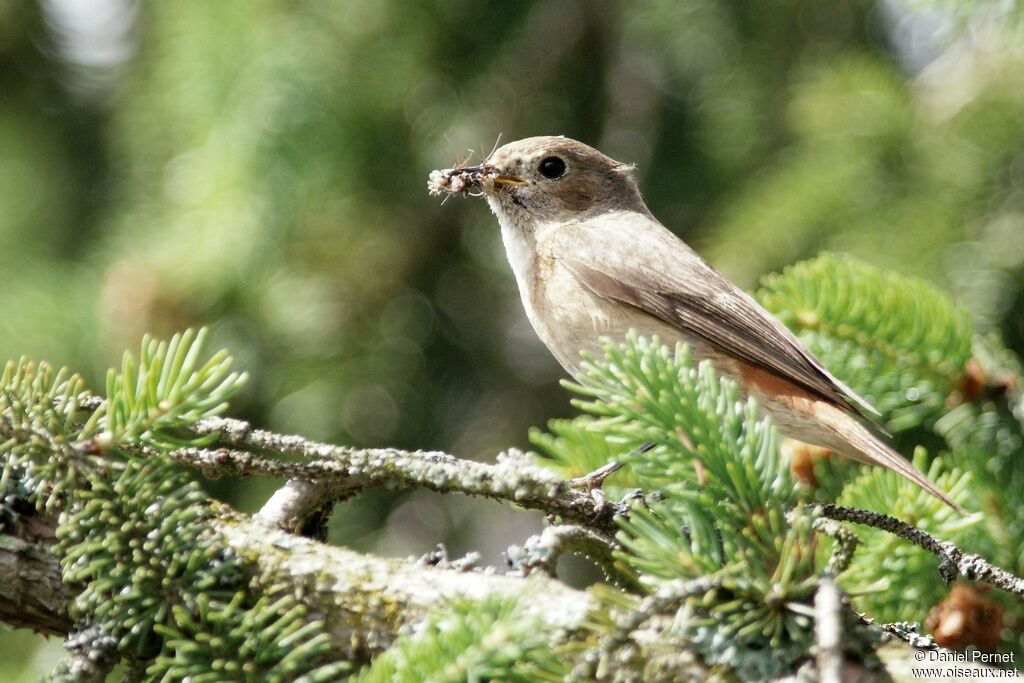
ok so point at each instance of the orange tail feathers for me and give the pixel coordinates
(806, 417)
(863, 446)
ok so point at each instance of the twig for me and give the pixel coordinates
(295, 503)
(666, 598)
(215, 463)
(91, 656)
(829, 631)
(953, 560)
(513, 477)
(902, 630)
(845, 547)
(341, 470)
(541, 552)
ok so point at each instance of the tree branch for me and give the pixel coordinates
(954, 561)
(828, 604)
(542, 551)
(32, 594)
(363, 600)
(514, 477)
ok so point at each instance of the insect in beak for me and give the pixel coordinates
(461, 179)
(486, 170)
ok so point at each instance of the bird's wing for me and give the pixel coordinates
(630, 257)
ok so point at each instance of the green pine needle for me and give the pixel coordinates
(232, 641)
(494, 639)
(41, 431)
(169, 387)
(896, 340)
(140, 544)
(726, 493)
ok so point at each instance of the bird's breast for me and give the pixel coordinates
(569, 318)
(567, 315)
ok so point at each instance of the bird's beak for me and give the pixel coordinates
(508, 180)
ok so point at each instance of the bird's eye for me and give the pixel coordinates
(551, 168)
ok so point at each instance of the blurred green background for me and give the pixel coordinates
(260, 168)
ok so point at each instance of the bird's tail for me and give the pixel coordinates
(869, 449)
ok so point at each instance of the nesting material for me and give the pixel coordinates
(459, 180)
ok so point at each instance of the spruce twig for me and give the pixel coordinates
(542, 551)
(846, 545)
(345, 469)
(297, 502)
(669, 597)
(954, 561)
(828, 603)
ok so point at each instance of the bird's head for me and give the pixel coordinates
(550, 179)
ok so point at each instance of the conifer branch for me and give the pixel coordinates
(668, 598)
(367, 599)
(91, 656)
(345, 469)
(846, 545)
(364, 600)
(828, 604)
(954, 561)
(542, 551)
(293, 505)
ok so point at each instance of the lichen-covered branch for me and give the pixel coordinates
(345, 469)
(364, 600)
(954, 561)
(542, 551)
(31, 592)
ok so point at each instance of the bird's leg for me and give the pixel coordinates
(594, 480)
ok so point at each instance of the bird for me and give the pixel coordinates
(592, 263)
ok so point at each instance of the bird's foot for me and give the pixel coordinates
(593, 481)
